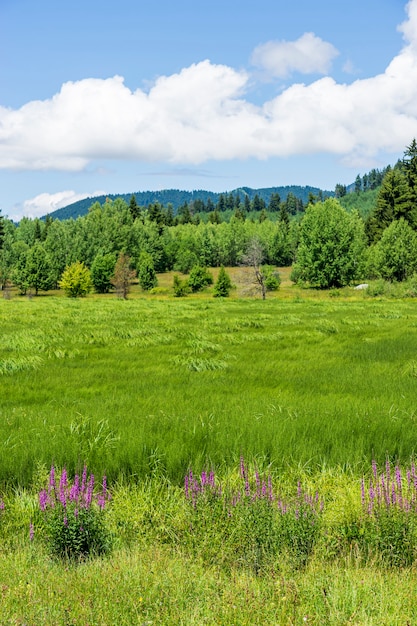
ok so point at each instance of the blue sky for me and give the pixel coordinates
(116, 97)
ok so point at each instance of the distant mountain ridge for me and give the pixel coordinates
(177, 198)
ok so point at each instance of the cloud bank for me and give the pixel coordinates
(202, 113)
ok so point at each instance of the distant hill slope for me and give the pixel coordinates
(177, 198)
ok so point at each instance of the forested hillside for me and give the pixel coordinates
(206, 199)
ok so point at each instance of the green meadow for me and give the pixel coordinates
(144, 385)
(305, 386)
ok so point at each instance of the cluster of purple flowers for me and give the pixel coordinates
(79, 494)
(259, 490)
(390, 490)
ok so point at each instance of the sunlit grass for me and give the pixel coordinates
(127, 385)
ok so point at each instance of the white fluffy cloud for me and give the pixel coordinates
(308, 55)
(46, 203)
(201, 113)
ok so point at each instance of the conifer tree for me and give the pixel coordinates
(223, 284)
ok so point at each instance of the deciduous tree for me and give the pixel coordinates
(76, 280)
(331, 248)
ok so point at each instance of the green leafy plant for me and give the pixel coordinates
(181, 287)
(76, 280)
(74, 516)
(199, 278)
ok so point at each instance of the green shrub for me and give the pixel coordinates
(181, 287)
(74, 516)
(76, 280)
(199, 278)
(272, 278)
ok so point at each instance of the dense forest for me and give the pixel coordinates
(199, 200)
(368, 232)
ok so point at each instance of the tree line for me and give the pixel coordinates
(327, 245)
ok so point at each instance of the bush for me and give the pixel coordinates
(199, 278)
(181, 287)
(76, 280)
(272, 279)
(74, 516)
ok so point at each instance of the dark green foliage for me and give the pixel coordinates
(74, 533)
(394, 257)
(146, 272)
(199, 278)
(178, 198)
(134, 208)
(274, 203)
(1, 231)
(340, 191)
(410, 170)
(331, 249)
(223, 284)
(102, 271)
(181, 287)
(393, 202)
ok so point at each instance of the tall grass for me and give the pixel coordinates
(149, 387)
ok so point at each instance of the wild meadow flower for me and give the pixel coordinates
(73, 513)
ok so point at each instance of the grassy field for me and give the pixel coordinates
(154, 384)
(306, 385)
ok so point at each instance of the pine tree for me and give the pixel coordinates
(274, 203)
(134, 208)
(410, 171)
(223, 284)
(393, 202)
(1, 231)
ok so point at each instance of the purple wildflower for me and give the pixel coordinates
(84, 479)
(62, 488)
(52, 485)
(31, 531)
(242, 468)
(43, 500)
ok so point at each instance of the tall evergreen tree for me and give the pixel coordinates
(1, 231)
(393, 202)
(134, 207)
(274, 203)
(410, 170)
